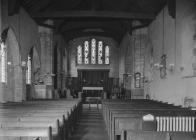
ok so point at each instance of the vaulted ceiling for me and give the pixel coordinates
(74, 18)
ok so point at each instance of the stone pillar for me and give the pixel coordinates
(46, 77)
(1, 89)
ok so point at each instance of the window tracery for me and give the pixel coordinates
(93, 52)
(28, 71)
(3, 53)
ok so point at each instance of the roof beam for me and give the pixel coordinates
(139, 27)
(92, 14)
(86, 25)
(46, 25)
(74, 34)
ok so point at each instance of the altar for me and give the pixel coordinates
(92, 95)
(92, 88)
(92, 91)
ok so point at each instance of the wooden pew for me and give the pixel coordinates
(135, 121)
(134, 118)
(36, 115)
(25, 134)
(35, 120)
(152, 135)
(123, 109)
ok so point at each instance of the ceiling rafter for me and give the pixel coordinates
(79, 33)
(46, 25)
(92, 14)
(105, 29)
(67, 21)
(83, 25)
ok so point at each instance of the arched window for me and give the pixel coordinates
(107, 55)
(79, 54)
(3, 53)
(86, 52)
(93, 52)
(28, 71)
(100, 52)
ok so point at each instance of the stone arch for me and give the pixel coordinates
(15, 75)
(35, 71)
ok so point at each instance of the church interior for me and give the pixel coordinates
(97, 69)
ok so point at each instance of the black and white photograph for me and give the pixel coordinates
(97, 69)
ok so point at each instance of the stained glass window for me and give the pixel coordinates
(3, 53)
(107, 51)
(86, 52)
(28, 71)
(93, 51)
(100, 52)
(79, 55)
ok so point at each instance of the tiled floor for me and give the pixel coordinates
(91, 125)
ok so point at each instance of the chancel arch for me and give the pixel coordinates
(93, 62)
(97, 49)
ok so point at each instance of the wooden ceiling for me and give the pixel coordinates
(72, 18)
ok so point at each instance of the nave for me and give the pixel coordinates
(135, 59)
(90, 125)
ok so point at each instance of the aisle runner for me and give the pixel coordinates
(90, 125)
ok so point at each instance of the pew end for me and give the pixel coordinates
(153, 135)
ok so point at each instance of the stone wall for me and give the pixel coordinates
(46, 40)
(176, 39)
(125, 43)
(131, 61)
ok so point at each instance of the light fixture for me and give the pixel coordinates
(171, 67)
(157, 66)
(23, 63)
(9, 63)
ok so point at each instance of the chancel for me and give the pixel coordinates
(97, 69)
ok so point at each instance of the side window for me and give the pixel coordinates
(28, 71)
(3, 63)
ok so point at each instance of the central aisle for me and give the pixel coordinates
(90, 126)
